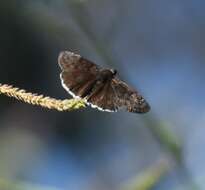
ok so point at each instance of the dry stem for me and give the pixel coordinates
(40, 100)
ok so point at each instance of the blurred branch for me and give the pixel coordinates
(79, 14)
(15, 185)
(149, 178)
(170, 141)
(173, 145)
(166, 138)
(40, 100)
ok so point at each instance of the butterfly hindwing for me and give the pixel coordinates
(128, 97)
(103, 98)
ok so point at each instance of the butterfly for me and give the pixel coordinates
(100, 88)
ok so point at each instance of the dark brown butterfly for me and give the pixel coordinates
(99, 87)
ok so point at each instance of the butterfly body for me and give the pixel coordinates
(99, 87)
(105, 75)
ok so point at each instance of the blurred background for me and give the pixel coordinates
(156, 46)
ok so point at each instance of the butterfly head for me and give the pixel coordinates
(106, 74)
(113, 71)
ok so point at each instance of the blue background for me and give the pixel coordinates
(156, 46)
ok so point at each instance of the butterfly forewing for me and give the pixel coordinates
(78, 74)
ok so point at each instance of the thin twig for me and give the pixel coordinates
(40, 100)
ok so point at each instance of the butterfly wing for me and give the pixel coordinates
(80, 77)
(78, 74)
(127, 97)
(103, 97)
